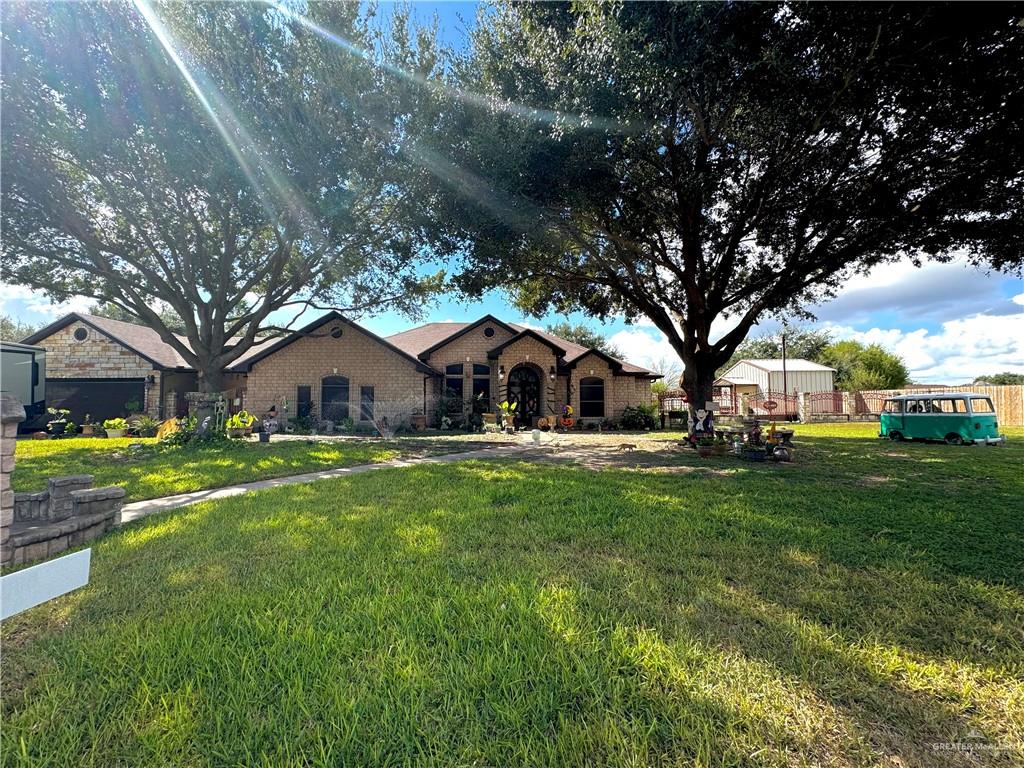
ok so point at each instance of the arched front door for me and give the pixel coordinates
(524, 391)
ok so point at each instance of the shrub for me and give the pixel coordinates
(115, 424)
(146, 426)
(640, 417)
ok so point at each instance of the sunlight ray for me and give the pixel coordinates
(524, 112)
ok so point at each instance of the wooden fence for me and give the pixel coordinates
(1008, 399)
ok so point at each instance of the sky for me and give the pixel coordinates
(949, 322)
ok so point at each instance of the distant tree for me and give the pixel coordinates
(1000, 378)
(222, 161)
(805, 343)
(696, 162)
(671, 370)
(13, 329)
(860, 367)
(585, 337)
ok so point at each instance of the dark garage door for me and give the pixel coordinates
(100, 398)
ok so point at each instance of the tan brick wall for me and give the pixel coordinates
(97, 358)
(469, 349)
(619, 391)
(398, 385)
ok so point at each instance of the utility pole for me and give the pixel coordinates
(785, 383)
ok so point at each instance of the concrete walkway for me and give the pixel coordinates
(140, 509)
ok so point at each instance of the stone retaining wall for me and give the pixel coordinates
(34, 526)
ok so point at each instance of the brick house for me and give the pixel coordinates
(338, 370)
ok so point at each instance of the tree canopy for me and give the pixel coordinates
(219, 163)
(702, 162)
(13, 329)
(1006, 377)
(585, 337)
(864, 367)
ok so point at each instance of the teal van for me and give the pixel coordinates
(956, 417)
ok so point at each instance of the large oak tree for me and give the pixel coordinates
(213, 163)
(708, 164)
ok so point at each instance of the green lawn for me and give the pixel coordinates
(155, 470)
(858, 607)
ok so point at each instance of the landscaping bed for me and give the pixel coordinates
(513, 613)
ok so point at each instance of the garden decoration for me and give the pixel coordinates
(240, 424)
(567, 420)
(88, 428)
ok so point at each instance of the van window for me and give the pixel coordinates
(892, 406)
(949, 405)
(982, 405)
(919, 406)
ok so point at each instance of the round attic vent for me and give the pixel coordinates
(488, 332)
(81, 334)
(336, 333)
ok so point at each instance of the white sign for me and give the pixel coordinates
(24, 589)
(711, 406)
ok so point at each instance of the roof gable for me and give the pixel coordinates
(531, 334)
(257, 353)
(773, 365)
(138, 339)
(424, 340)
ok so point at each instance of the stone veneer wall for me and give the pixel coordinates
(398, 385)
(97, 358)
(12, 413)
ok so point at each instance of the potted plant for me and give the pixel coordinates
(507, 410)
(418, 420)
(88, 428)
(70, 429)
(58, 421)
(146, 426)
(239, 424)
(115, 427)
(721, 446)
(705, 446)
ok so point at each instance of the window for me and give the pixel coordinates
(591, 397)
(81, 334)
(366, 403)
(334, 398)
(892, 406)
(982, 405)
(488, 332)
(453, 387)
(303, 402)
(949, 405)
(481, 388)
(336, 332)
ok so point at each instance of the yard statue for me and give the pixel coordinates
(702, 421)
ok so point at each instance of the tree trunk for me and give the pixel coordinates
(211, 379)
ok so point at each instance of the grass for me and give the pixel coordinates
(153, 470)
(854, 609)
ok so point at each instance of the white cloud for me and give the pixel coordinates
(19, 299)
(962, 350)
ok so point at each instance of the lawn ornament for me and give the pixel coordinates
(567, 420)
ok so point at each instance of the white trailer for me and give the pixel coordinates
(23, 374)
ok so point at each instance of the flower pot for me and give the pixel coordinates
(720, 449)
(57, 427)
(88, 430)
(116, 432)
(236, 432)
(705, 451)
(418, 422)
(264, 437)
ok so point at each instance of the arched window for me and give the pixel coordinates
(591, 397)
(334, 398)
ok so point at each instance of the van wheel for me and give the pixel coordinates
(896, 437)
(954, 439)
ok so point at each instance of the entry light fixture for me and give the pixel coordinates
(151, 379)
(501, 372)
(551, 373)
